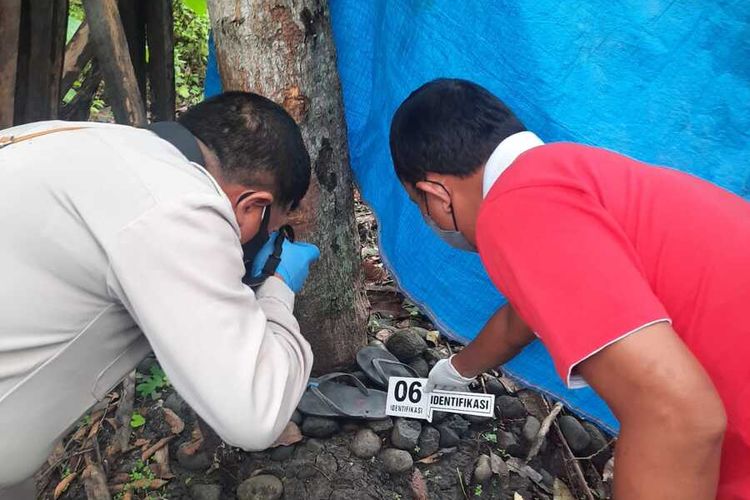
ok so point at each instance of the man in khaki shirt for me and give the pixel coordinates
(117, 240)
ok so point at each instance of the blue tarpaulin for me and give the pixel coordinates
(665, 81)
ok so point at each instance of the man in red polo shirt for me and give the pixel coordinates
(635, 277)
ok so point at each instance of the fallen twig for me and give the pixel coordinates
(95, 483)
(543, 431)
(461, 482)
(125, 411)
(156, 447)
(583, 485)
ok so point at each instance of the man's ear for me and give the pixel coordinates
(252, 200)
(437, 191)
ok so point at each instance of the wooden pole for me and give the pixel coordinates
(133, 17)
(78, 53)
(10, 22)
(111, 50)
(160, 31)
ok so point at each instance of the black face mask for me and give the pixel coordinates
(251, 248)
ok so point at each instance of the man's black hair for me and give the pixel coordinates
(253, 137)
(448, 126)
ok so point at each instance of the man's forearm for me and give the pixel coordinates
(504, 336)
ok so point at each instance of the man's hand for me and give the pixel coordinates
(296, 259)
(444, 376)
(672, 420)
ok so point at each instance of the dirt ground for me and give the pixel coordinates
(143, 441)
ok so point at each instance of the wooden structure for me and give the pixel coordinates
(37, 67)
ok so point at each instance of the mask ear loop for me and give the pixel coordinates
(427, 205)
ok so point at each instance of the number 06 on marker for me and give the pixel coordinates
(406, 398)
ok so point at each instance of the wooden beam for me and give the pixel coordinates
(79, 108)
(133, 16)
(78, 53)
(160, 30)
(111, 50)
(48, 26)
(10, 22)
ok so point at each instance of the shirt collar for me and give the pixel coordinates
(505, 154)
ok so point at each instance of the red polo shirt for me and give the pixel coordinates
(590, 246)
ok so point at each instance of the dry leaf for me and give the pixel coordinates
(289, 436)
(112, 422)
(94, 429)
(176, 425)
(195, 444)
(418, 486)
(498, 466)
(160, 467)
(58, 452)
(433, 336)
(121, 477)
(517, 496)
(609, 470)
(128, 495)
(80, 433)
(156, 447)
(383, 334)
(63, 485)
(431, 459)
(141, 443)
(560, 491)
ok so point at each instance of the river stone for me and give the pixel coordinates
(382, 425)
(597, 445)
(530, 429)
(296, 417)
(459, 424)
(483, 470)
(175, 403)
(433, 354)
(420, 366)
(319, 427)
(448, 437)
(576, 436)
(509, 407)
(262, 487)
(507, 441)
(405, 433)
(494, 386)
(396, 461)
(196, 461)
(205, 491)
(281, 453)
(406, 344)
(429, 441)
(366, 444)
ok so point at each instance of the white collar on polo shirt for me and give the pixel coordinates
(505, 154)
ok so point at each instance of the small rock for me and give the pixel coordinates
(366, 444)
(175, 403)
(305, 471)
(350, 426)
(476, 419)
(597, 445)
(509, 407)
(309, 450)
(262, 487)
(192, 461)
(405, 433)
(483, 470)
(319, 427)
(459, 424)
(281, 453)
(420, 366)
(429, 441)
(439, 416)
(406, 344)
(296, 417)
(507, 441)
(327, 464)
(576, 436)
(433, 354)
(530, 429)
(381, 425)
(494, 386)
(396, 461)
(205, 491)
(448, 437)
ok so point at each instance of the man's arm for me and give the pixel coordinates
(236, 357)
(500, 340)
(672, 420)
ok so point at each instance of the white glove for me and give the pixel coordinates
(444, 376)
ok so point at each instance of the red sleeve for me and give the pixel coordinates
(568, 269)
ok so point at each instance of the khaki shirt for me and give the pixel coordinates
(112, 243)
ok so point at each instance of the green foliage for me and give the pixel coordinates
(152, 383)
(141, 470)
(191, 27)
(490, 437)
(137, 420)
(478, 490)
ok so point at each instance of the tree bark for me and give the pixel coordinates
(10, 23)
(284, 50)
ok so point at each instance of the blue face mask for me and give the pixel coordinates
(453, 238)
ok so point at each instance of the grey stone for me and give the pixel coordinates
(366, 444)
(420, 366)
(483, 469)
(439, 416)
(262, 487)
(205, 491)
(448, 437)
(530, 429)
(306, 471)
(509, 407)
(507, 441)
(281, 453)
(406, 344)
(459, 424)
(477, 420)
(175, 403)
(296, 417)
(494, 386)
(432, 355)
(599, 445)
(350, 426)
(195, 462)
(396, 461)
(327, 463)
(405, 433)
(381, 425)
(317, 489)
(576, 436)
(429, 441)
(319, 427)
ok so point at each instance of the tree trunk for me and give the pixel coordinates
(283, 49)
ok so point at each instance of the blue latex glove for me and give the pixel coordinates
(295, 261)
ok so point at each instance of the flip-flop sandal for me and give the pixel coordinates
(326, 398)
(380, 365)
